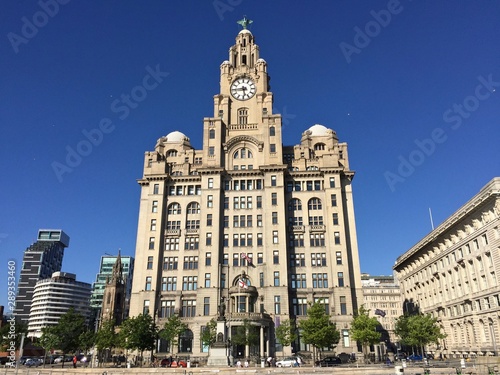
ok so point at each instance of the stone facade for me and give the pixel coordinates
(246, 225)
(453, 273)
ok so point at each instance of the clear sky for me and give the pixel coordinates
(413, 87)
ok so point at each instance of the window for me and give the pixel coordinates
(315, 220)
(299, 281)
(149, 280)
(226, 221)
(314, 204)
(249, 221)
(336, 235)
(276, 278)
(299, 306)
(155, 206)
(210, 183)
(174, 209)
(167, 309)
(277, 305)
(274, 199)
(190, 283)
(297, 240)
(171, 244)
(272, 129)
(191, 263)
(259, 220)
(189, 308)
(318, 259)
(209, 220)
(243, 116)
(259, 239)
(207, 280)
(275, 236)
(208, 239)
(297, 260)
(274, 217)
(343, 305)
(333, 199)
(206, 306)
(145, 307)
(156, 188)
(272, 149)
(226, 203)
(191, 243)
(338, 256)
(335, 219)
(261, 279)
(325, 302)
(320, 280)
(317, 240)
(276, 257)
(260, 258)
(225, 240)
(273, 179)
(211, 134)
(236, 260)
(153, 225)
(345, 338)
(150, 263)
(193, 208)
(295, 205)
(259, 201)
(151, 243)
(225, 259)
(236, 240)
(332, 182)
(170, 263)
(208, 259)
(210, 201)
(211, 151)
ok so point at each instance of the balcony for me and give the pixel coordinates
(172, 232)
(243, 126)
(317, 228)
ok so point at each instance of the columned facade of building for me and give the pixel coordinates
(54, 297)
(452, 273)
(246, 225)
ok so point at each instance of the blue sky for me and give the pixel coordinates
(413, 87)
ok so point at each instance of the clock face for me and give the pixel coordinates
(243, 88)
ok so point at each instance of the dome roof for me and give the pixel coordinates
(319, 130)
(245, 31)
(176, 137)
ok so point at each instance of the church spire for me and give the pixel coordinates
(117, 275)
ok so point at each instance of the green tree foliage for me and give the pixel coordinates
(138, 333)
(418, 330)
(172, 329)
(317, 329)
(106, 337)
(285, 333)
(209, 334)
(364, 329)
(49, 340)
(87, 340)
(246, 334)
(71, 325)
(7, 335)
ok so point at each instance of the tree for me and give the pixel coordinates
(106, 337)
(209, 334)
(172, 328)
(245, 334)
(364, 329)
(317, 329)
(87, 340)
(418, 330)
(7, 334)
(49, 340)
(285, 332)
(138, 333)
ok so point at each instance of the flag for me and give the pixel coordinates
(242, 284)
(246, 257)
(380, 312)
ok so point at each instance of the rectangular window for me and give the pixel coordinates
(208, 259)
(207, 280)
(298, 281)
(225, 259)
(249, 221)
(156, 188)
(343, 305)
(236, 203)
(190, 283)
(153, 225)
(226, 203)
(276, 257)
(211, 151)
(210, 183)
(236, 240)
(317, 185)
(151, 243)
(236, 259)
(167, 309)
(171, 243)
(272, 148)
(274, 217)
(249, 239)
(225, 240)
(249, 202)
(189, 308)
(192, 243)
(276, 278)
(149, 280)
(150, 263)
(333, 199)
(315, 220)
(275, 236)
(191, 263)
(332, 182)
(236, 221)
(299, 306)
(259, 220)
(277, 305)
(261, 279)
(170, 263)
(320, 280)
(259, 201)
(336, 235)
(209, 220)
(274, 199)
(154, 208)
(259, 239)
(335, 218)
(210, 201)
(206, 306)
(325, 302)
(317, 239)
(338, 256)
(208, 239)
(260, 258)
(273, 181)
(226, 221)
(145, 307)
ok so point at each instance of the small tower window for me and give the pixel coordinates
(244, 59)
(264, 111)
(211, 134)
(272, 131)
(243, 116)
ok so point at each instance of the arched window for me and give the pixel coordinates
(193, 208)
(243, 153)
(174, 209)
(171, 153)
(295, 205)
(243, 116)
(319, 146)
(272, 131)
(186, 341)
(211, 134)
(314, 204)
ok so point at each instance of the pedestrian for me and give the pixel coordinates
(75, 360)
(238, 364)
(246, 362)
(269, 361)
(299, 361)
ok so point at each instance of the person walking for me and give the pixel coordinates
(75, 360)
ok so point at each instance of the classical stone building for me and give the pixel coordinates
(246, 227)
(382, 296)
(453, 273)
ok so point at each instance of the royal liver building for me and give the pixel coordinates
(246, 230)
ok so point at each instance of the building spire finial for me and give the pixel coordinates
(244, 22)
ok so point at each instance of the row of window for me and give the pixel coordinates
(308, 185)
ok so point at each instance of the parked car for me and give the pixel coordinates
(399, 356)
(329, 362)
(30, 362)
(10, 364)
(288, 362)
(415, 357)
